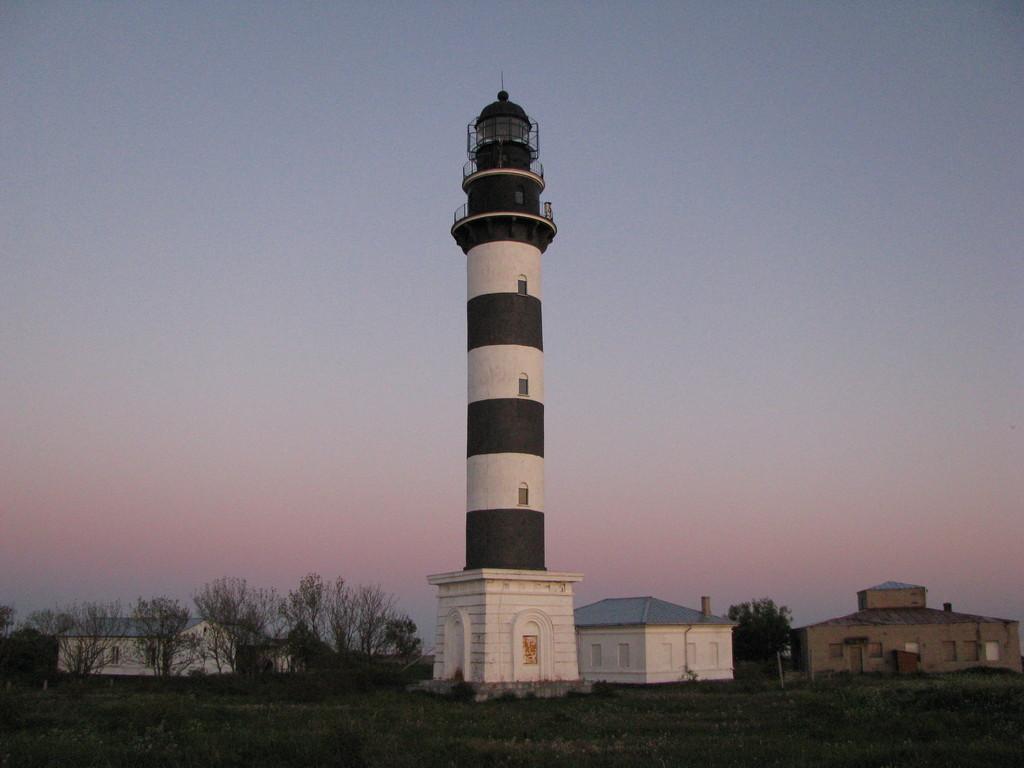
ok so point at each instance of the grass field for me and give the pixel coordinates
(959, 720)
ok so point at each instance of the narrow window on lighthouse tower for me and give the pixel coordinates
(522, 285)
(524, 494)
(524, 385)
(520, 196)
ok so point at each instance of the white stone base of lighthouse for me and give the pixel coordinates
(506, 626)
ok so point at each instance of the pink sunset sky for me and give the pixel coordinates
(784, 313)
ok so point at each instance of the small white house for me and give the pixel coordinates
(646, 640)
(121, 650)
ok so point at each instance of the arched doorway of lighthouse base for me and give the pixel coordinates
(456, 645)
(532, 646)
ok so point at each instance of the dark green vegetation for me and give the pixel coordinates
(28, 656)
(762, 629)
(366, 719)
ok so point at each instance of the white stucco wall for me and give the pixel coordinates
(483, 615)
(609, 669)
(130, 661)
(495, 268)
(704, 650)
(492, 480)
(494, 372)
(658, 654)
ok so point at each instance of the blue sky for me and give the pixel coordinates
(783, 313)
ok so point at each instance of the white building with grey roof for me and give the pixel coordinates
(121, 646)
(647, 640)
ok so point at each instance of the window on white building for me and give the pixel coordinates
(624, 655)
(691, 655)
(714, 655)
(595, 656)
(991, 651)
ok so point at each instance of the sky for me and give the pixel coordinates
(784, 312)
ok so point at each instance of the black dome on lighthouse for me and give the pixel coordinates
(503, 108)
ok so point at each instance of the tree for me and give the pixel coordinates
(28, 652)
(400, 636)
(305, 650)
(762, 629)
(308, 605)
(162, 643)
(85, 634)
(341, 616)
(6, 620)
(374, 609)
(237, 615)
(48, 622)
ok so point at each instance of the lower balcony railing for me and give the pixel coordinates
(462, 212)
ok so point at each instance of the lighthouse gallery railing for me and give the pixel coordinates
(462, 212)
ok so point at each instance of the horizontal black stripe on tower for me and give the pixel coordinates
(505, 538)
(503, 192)
(505, 425)
(504, 318)
(537, 231)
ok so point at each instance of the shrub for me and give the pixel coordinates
(990, 671)
(462, 691)
(30, 655)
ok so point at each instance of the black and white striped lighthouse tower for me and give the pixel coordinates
(503, 231)
(504, 618)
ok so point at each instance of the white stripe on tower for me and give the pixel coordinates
(495, 370)
(492, 481)
(496, 267)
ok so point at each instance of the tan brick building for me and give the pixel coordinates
(895, 631)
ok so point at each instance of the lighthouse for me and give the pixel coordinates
(504, 619)
(503, 233)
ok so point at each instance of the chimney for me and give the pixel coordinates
(947, 607)
(705, 605)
